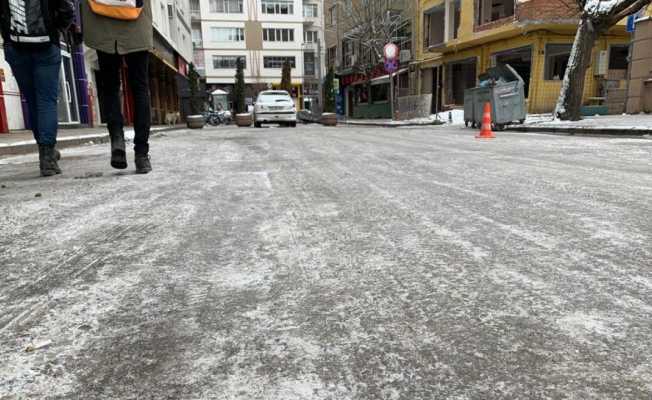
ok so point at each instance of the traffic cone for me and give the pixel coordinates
(486, 132)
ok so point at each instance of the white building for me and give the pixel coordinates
(264, 33)
(170, 57)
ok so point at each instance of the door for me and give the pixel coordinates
(67, 106)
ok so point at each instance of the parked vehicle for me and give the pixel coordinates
(275, 106)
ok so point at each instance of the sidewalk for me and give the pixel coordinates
(610, 125)
(22, 142)
(388, 123)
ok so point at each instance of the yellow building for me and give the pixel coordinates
(458, 40)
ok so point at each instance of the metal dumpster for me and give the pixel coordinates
(504, 88)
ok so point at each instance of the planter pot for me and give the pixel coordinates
(328, 119)
(243, 120)
(195, 121)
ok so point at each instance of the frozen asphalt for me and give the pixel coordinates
(331, 263)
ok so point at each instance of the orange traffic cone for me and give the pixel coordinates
(486, 132)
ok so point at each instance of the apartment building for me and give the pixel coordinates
(460, 39)
(264, 34)
(168, 67)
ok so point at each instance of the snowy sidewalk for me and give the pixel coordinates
(23, 142)
(457, 117)
(616, 125)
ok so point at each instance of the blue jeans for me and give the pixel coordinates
(37, 73)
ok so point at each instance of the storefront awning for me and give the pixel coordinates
(385, 78)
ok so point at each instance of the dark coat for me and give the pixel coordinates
(115, 36)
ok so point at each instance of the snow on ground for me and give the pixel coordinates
(348, 263)
(634, 122)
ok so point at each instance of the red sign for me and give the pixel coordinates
(355, 78)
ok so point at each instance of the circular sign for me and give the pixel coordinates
(391, 66)
(391, 51)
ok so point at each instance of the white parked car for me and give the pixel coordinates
(275, 106)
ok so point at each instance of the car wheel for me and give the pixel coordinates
(257, 125)
(293, 124)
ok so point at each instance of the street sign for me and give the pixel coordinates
(390, 51)
(631, 20)
(391, 65)
(631, 23)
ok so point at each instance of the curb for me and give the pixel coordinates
(27, 147)
(569, 131)
(385, 125)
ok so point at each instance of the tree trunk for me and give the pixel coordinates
(570, 98)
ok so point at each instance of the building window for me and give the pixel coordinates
(494, 10)
(226, 6)
(310, 37)
(196, 38)
(361, 94)
(332, 14)
(228, 34)
(557, 56)
(332, 56)
(309, 64)
(348, 58)
(380, 93)
(310, 10)
(277, 62)
(194, 8)
(278, 35)
(619, 57)
(278, 7)
(228, 62)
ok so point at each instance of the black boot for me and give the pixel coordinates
(143, 165)
(118, 153)
(47, 160)
(57, 155)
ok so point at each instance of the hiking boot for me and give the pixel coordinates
(118, 153)
(47, 160)
(143, 165)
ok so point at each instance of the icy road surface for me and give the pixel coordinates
(331, 263)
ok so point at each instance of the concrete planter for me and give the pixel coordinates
(243, 120)
(328, 119)
(195, 121)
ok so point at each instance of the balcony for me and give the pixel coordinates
(309, 46)
(442, 24)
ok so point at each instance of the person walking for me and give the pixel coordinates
(120, 33)
(31, 36)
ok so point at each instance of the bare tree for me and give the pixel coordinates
(596, 18)
(370, 25)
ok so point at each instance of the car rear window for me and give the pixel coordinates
(274, 98)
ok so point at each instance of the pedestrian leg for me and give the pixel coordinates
(110, 75)
(23, 69)
(138, 76)
(47, 68)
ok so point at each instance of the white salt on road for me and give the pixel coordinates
(342, 263)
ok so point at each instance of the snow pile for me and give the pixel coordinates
(601, 7)
(445, 116)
